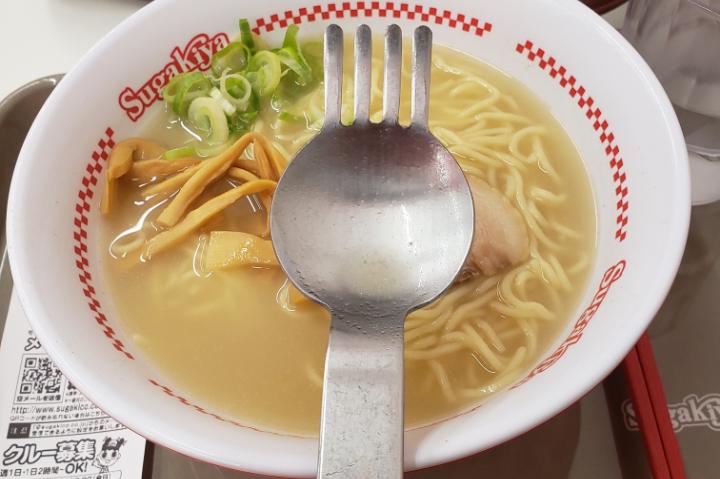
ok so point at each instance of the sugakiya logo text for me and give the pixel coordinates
(693, 410)
(195, 55)
(612, 274)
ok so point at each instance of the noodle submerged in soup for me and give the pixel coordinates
(234, 339)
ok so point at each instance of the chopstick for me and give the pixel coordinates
(645, 416)
(651, 412)
(660, 409)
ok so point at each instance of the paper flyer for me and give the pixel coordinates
(49, 430)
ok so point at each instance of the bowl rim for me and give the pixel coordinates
(594, 373)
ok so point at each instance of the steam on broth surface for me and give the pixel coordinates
(236, 341)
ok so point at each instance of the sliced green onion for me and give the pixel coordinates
(290, 39)
(290, 89)
(204, 150)
(237, 89)
(264, 72)
(246, 35)
(313, 53)
(291, 56)
(290, 117)
(225, 104)
(233, 57)
(220, 105)
(181, 152)
(190, 87)
(171, 88)
(242, 122)
(206, 115)
(296, 63)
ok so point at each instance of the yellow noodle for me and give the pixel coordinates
(433, 326)
(531, 222)
(477, 157)
(502, 381)
(434, 353)
(522, 279)
(527, 326)
(424, 343)
(510, 101)
(443, 380)
(543, 161)
(449, 299)
(463, 311)
(580, 265)
(481, 347)
(565, 230)
(514, 145)
(527, 309)
(509, 118)
(472, 170)
(563, 280)
(495, 340)
(541, 194)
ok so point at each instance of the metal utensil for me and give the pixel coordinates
(371, 220)
(17, 113)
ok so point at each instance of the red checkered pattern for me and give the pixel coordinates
(586, 102)
(80, 235)
(197, 408)
(329, 11)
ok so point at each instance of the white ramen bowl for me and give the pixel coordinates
(594, 83)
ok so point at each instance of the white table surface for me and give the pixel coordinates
(43, 37)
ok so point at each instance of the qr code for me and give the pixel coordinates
(39, 376)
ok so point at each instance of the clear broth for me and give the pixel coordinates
(223, 339)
